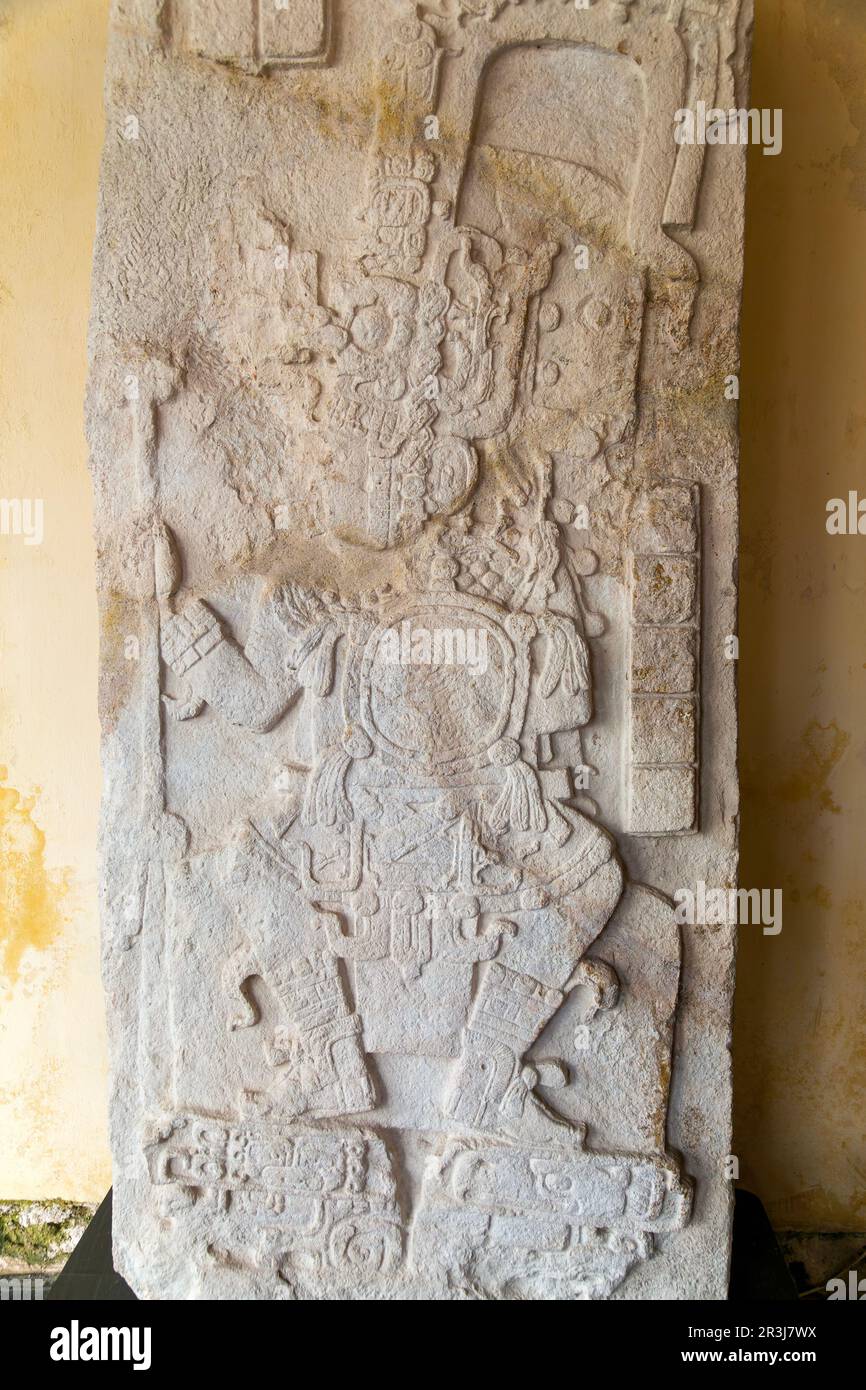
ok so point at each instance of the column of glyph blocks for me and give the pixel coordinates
(664, 666)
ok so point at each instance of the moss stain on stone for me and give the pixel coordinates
(39, 1234)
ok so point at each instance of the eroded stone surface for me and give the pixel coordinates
(416, 508)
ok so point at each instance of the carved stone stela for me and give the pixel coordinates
(415, 483)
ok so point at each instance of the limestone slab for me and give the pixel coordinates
(416, 507)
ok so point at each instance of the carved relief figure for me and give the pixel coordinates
(445, 1007)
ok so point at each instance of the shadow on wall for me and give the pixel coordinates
(800, 1051)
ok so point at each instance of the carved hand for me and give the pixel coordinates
(189, 636)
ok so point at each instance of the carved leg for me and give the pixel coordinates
(491, 1087)
(322, 1033)
(332, 1077)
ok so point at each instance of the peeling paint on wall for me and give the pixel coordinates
(32, 897)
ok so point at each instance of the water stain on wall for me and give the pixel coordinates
(835, 27)
(823, 747)
(33, 898)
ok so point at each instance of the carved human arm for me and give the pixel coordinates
(195, 647)
(564, 695)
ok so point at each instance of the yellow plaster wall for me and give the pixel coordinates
(800, 1052)
(52, 1054)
